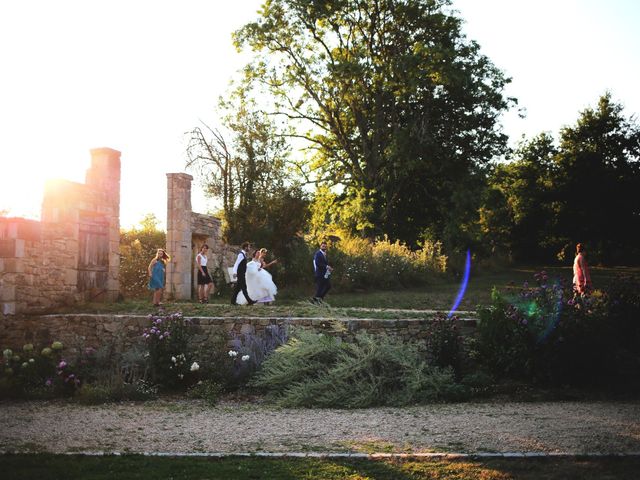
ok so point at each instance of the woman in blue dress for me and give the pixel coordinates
(157, 269)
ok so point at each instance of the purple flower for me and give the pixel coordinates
(524, 321)
(62, 364)
(49, 382)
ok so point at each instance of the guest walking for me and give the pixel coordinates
(322, 273)
(239, 274)
(157, 270)
(205, 282)
(581, 276)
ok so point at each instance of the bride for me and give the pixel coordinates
(260, 286)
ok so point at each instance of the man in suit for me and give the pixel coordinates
(239, 274)
(322, 272)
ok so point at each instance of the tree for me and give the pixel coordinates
(400, 109)
(138, 246)
(517, 216)
(585, 189)
(598, 181)
(248, 169)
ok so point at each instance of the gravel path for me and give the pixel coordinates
(190, 426)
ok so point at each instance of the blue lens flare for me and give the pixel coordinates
(463, 285)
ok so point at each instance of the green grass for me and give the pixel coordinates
(48, 467)
(437, 296)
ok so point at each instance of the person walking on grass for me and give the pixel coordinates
(581, 276)
(157, 270)
(322, 273)
(239, 275)
(205, 282)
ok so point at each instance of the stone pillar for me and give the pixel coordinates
(179, 235)
(104, 175)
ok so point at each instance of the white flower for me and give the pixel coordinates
(180, 376)
(245, 358)
(195, 367)
(173, 359)
(233, 353)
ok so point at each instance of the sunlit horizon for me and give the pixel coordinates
(135, 76)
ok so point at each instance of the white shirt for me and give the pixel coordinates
(202, 260)
(241, 256)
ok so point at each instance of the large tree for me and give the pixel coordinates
(598, 182)
(401, 109)
(585, 189)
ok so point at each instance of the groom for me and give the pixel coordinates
(239, 273)
(322, 272)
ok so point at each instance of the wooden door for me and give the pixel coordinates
(93, 257)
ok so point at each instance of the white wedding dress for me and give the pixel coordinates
(260, 286)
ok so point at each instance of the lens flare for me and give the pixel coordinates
(463, 285)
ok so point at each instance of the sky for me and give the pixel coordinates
(137, 75)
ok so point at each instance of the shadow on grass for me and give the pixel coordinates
(47, 467)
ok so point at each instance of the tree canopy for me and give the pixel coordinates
(400, 109)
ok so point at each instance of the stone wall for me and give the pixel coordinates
(72, 254)
(82, 330)
(187, 231)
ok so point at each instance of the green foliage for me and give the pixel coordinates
(402, 127)
(582, 190)
(206, 390)
(382, 264)
(445, 344)
(319, 370)
(171, 360)
(138, 247)
(545, 334)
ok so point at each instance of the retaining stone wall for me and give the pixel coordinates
(83, 330)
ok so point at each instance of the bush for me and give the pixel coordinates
(315, 370)
(206, 390)
(172, 364)
(137, 248)
(444, 343)
(37, 373)
(545, 334)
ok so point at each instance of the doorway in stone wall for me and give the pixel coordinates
(93, 254)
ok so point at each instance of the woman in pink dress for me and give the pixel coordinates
(581, 277)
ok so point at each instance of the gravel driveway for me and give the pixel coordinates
(183, 426)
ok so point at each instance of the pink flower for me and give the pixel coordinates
(62, 364)
(49, 382)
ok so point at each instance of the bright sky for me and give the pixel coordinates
(136, 75)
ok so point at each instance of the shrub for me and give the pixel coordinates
(318, 370)
(206, 390)
(172, 364)
(37, 373)
(547, 335)
(444, 343)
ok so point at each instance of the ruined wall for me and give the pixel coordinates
(72, 254)
(187, 231)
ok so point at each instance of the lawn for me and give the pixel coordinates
(49, 467)
(439, 295)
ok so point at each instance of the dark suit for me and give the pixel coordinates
(320, 264)
(241, 281)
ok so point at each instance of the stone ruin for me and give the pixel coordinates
(187, 231)
(72, 254)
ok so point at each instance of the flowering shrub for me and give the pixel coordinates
(362, 264)
(444, 343)
(30, 373)
(171, 363)
(546, 334)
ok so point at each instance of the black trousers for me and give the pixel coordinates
(323, 285)
(241, 284)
